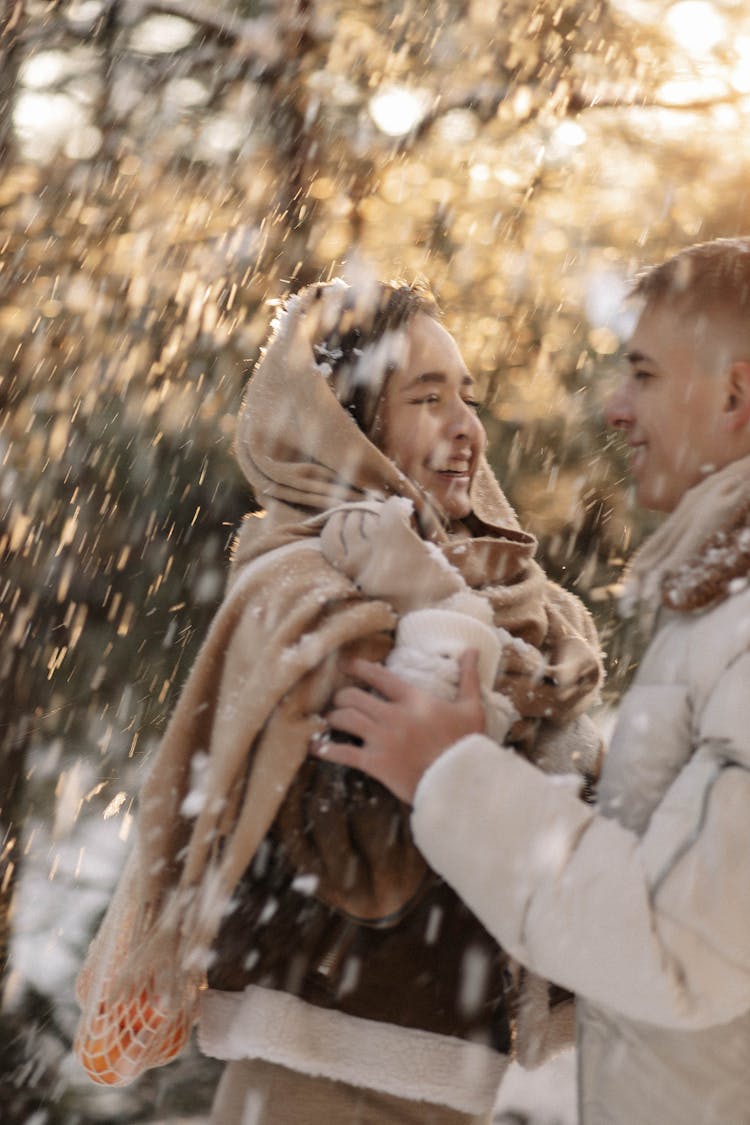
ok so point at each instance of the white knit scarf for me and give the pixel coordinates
(703, 509)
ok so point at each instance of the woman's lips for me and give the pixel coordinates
(637, 455)
(456, 476)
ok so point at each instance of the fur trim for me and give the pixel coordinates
(720, 568)
(405, 1062)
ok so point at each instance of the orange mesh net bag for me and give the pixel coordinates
(130, 1025)
(124, 1038)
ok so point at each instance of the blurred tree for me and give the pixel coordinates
(11, 18)
(165, 169)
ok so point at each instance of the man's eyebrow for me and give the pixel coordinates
(638, 357)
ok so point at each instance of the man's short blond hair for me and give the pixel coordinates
(710, 276)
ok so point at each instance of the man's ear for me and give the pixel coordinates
(737, 400)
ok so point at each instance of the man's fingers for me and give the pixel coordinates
(358, 699)
(343, 753)
(468, 682)
(390, 686)
(358, 758)
(352, 721)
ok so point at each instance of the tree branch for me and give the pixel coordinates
(486, 100)
(258, 39)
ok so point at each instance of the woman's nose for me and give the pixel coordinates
(463, 421)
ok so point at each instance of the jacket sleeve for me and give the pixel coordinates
(653, 927)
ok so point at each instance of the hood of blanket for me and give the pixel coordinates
(303, 454)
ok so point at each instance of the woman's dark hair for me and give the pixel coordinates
(359, 391)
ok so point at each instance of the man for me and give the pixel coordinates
(641, 905)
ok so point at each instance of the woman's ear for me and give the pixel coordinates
(737, 400)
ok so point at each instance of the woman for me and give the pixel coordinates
(345, 981)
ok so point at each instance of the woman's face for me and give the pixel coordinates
(427, 419)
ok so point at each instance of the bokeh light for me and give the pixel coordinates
(396, 111)
(696, 26)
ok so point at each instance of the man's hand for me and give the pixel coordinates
(403, 730)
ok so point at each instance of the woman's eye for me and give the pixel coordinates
(642, 376)
(426, 399)
(473, 403)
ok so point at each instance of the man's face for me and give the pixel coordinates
(669, 406)
(427, 419)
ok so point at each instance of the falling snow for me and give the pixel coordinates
(166, 179)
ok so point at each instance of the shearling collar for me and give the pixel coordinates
(720, 567)
(710, 508)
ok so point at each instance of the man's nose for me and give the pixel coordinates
(618, 412)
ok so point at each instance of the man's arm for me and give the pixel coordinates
(569, 892)
(566, 890)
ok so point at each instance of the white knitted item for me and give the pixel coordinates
(445, 634)
(470, 605)
(428, 671)
(500, 715)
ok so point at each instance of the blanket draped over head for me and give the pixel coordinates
(233, 762)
